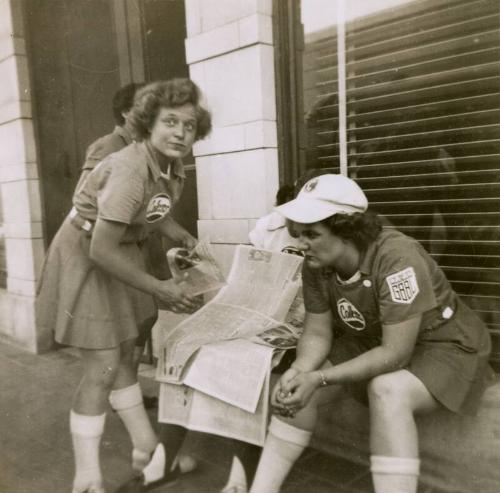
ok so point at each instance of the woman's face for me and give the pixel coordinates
(321, 248)
(174, 131)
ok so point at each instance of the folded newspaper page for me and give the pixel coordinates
(261, 287)
(192, 409)
(197, 268)
(232, 371)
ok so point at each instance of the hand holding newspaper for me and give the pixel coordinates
(197, 269)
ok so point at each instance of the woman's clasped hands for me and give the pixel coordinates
(293, 391)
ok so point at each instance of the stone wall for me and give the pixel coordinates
(19, 186)
(229, 50)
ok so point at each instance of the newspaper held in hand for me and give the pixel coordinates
(215, 365)
(261, 287)
(196, 268)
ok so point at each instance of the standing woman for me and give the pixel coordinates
(381, 320)
(95, 290)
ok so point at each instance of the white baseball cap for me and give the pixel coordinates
(324, 196)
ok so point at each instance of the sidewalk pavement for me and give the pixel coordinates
(35, 444)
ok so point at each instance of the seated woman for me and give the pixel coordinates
(381, 320)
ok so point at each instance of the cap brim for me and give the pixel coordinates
(306, 211)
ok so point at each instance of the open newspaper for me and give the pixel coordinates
(215, 365)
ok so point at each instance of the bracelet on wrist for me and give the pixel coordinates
(324, 383)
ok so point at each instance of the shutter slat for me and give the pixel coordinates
(460, 176)
(414, 109)
(427, 94)
(466, 25)
(484, 130)
(396, 58)
(446, 121)
(432, 66)
(464, 147)
(422, 14)
(409, 83)
(489, 161)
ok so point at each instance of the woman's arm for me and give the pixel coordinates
(398, 343)
(172, 230)
(315, 342)
(106, 252)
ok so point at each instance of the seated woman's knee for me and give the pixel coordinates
(388, 387)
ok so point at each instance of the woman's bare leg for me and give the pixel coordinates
(126, 399)
(286, 440)
(88, 416)
(394, 399)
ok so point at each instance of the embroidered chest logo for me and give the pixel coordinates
(350, 314)
(403, 286)
(158, 207)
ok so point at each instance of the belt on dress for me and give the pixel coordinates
(80, 222)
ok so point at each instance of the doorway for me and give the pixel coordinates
(80, 53)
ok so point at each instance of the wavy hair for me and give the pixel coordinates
(168, 94)
(361, 228)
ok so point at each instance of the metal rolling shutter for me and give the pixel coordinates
(423, 132)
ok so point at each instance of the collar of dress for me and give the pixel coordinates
(176, 167)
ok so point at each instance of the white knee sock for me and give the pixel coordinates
(86, 433)
(284, 445)
(127, 402)
(394, 474)
(237, 475)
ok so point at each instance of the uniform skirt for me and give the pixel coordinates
(82, 304)
(452, 361)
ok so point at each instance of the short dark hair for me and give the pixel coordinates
(308, 175)
(362, 228)
(123, 100)
(168, 94)
(284, 194)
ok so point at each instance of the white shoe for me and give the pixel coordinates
(141, 459)
(234, 488)
(90, 487)
(186, 463)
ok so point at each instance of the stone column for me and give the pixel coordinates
(229, 50)
(19, 187)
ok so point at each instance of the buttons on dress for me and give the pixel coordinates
(367, 283)
(447, 313)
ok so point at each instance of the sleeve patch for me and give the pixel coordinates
(403, 286)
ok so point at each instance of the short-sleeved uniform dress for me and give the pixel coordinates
(115, 141)
(84, 305)
(398, 280)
